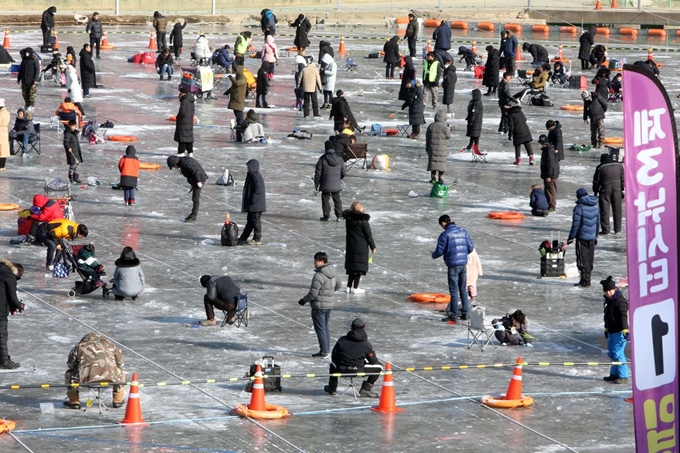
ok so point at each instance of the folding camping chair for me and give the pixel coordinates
(33, 142)
(351, 66)
(354, 153)
(478, 156)
(482, 333)
(240, 316)
(352, 382)
(233, 135)
(96, 397)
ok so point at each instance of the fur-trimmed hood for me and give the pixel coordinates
(355, 215)
(11, 266)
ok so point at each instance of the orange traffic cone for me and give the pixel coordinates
(152, 41)
(474, 47)
(518, 55)
(614, 5)
(650, 54)
(5, 42)
(105, 42)
(341, 49)
(133, 410)
(429, 46)
(55, 45)
(598, 5)
(513, 397)
(257, 402)
(388, 402)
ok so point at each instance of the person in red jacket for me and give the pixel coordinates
(129, 172)
(46, 210)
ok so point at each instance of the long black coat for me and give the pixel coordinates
(29, 70)
(184, 127)
(416, 107)
(302, 31)
(88, 74)
(8, 289)
(555, 139)
(359, 240)
(47, 21)
(329, 172)
(595, 109)
(602, 83)
(587, 40)
(449, 79)
(550, 164)
(71, 142)
(538, 52)
(391, 50)
(176, 35)
(491, 70)
(475, 114)
(504, 95)
(408, 74)
(518, 127)
(253, 190)
(339, 111)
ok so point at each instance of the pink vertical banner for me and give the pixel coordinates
(651, 172)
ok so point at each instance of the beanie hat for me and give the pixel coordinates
(358, 323)
(543, 139)
(204, 280)
(581, 192)
(172, 161)
(608, 284)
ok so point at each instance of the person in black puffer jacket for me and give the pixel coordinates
(253, 203)
(609, 185)
(519, 132)
(72, 148)
(449, 80)
(504, 98)
(222, 293)
(351, 354)
(341, 113)
(490, 79)
(184, 123)
(598, 55)
(538, 53)
(408, 75)
(550, 171)
(586, 41)
(95, 29)
(330, 171)
(9, 303)
(359, 241)
(475, 115)
(594, 109)
(47, 25)
(88, 74)
(615, 330)
(602, 82)
(391, 58)
(555, 137)
(177, 37)
(196, 178)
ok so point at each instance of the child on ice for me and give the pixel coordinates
(89, 266)
(474, 271)
(538, 201)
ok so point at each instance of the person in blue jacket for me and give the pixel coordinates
(455, 245)
(442, 42)
(585, 225)
(508, 51)
(538, 201)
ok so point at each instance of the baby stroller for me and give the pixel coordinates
(87, 285)
(200, 81)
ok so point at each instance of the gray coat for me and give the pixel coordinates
(435, 143)
(324, 284)
(330, 170)
(128, 281)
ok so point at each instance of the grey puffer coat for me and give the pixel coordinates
(330, 170)
(324, 284)
(435, 143)
(128, 279)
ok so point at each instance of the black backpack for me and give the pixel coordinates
(229, 234)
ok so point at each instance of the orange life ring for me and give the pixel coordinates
(505, 215)
(486, 26)
(613, 141)
(603, 31)
(122, 138)
(515, 28)
(538, 28)
(490, 401)
(107, 47)
(459, 25)
(568, 29)
(432, 23)
(656, 32)
(174, 119)
(291, 49)
(628, 31)
(7, 426)
(439, 298)
(149, 166)
(272, 412)
(8, 207)
(391, 132)
(402, 20)
(572, 108)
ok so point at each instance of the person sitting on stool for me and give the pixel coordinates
(353, 354)
(222, 294)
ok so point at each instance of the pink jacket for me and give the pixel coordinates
(269, 51)
(474, 268)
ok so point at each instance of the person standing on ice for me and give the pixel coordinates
(253, 203)
(359, 241)
(435, 145)
(328, 176)
(474, 118)
(519, 132)
(608, 183)
(9, 303)
(196, 177)
(586, 42)
(412, 34)
(615, 330)
(416, 107)
(550, 171)
(184, 123)
(455, 245)
(585, 225)
(594, 111)
(504, 98)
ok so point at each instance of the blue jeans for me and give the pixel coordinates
(128, 193)
(321, 319)
(457, 288)
(616, 344)
(166, 69)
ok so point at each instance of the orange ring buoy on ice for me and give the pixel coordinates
(402, 20)
(515, 28)
(459, 25)
(149, 166)
(430, 297)
(122, 138)
(568, 29)
(432, 23)
(7, 426)
(272, 412)
(613, 141)
(8, 207)
(490, 401)
(107, 47)
(486, 26)
(657, 32)
(603, 31)
(628, 31)
(505, 215)
(538, 28)
(572, 108)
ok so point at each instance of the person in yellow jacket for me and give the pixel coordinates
(431, 75)
(50, 232)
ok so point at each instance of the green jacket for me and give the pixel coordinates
(431, 72)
